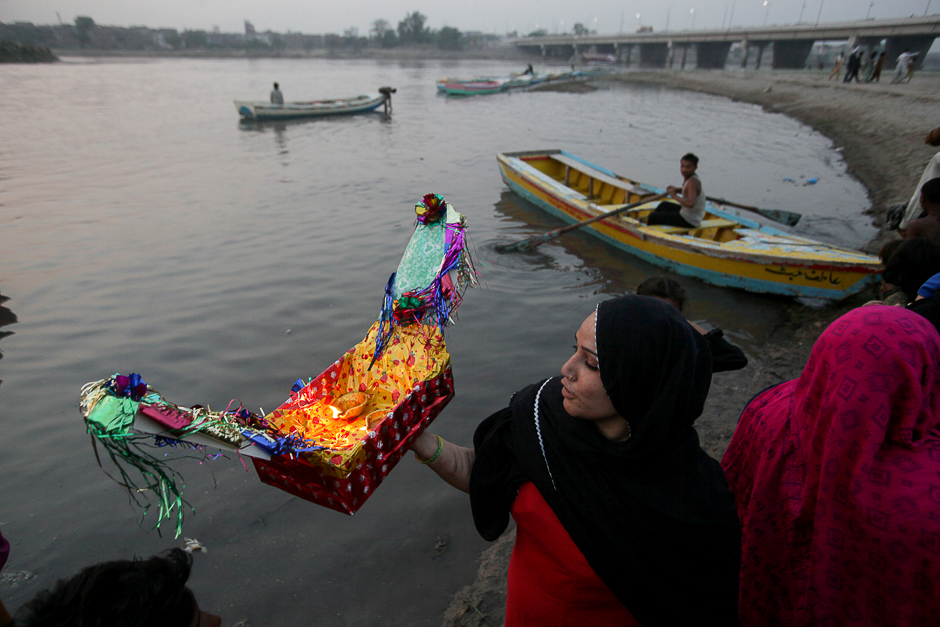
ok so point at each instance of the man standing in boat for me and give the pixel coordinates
(276, 96)
(690, 210)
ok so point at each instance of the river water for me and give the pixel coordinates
(144, 229)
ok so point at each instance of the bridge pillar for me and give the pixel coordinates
(542, 47)
(760, 53)
(745, 47)
(672, 54)
(791, 55)
(653, 55)
(914, 43)
(711, 55)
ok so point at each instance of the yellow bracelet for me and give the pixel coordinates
(440, 447)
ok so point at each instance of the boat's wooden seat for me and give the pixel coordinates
(597, 175)
(713, 223)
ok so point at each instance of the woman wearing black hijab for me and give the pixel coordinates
(622, 518)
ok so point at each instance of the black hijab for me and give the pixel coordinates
(652, 515)
(928, 308)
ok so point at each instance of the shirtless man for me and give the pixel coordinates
(927, 227)
(689, 208)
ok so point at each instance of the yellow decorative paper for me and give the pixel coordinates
(414, 354)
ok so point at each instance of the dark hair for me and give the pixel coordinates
(690, 157)
(664, 289)
(931, 191)
(912, 263)
(888, 250)
(131, 593)
(275, 85)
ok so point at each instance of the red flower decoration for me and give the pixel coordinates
(430, 209)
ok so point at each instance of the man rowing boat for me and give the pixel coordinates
(690, 209)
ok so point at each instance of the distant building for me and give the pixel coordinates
(249, 28)
(645, 29)
(352, 31)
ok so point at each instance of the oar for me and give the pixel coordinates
(777, 215)
(538, 240)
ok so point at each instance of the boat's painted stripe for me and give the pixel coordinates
(796, 279)
(283, 114)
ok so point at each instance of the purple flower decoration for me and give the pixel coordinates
(132, 386)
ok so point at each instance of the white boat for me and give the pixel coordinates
(259, 110)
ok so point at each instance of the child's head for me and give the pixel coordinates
(911, 264)
(930, 194)
(664, 289)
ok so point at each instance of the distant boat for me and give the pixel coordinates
(475, 87)
(260, 110)
(726, 249)
(494, 85)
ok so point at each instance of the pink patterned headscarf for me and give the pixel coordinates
(837, 480)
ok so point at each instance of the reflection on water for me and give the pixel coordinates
(7, 318)
(608, 270)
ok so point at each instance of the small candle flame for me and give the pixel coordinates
(335, 411)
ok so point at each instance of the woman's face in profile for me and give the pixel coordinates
(583, 391)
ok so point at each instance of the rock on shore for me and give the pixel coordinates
(880, 128)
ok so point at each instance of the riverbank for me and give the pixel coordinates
(880, 130)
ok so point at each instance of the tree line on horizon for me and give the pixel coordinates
(85, 33)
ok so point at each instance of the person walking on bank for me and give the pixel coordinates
(276, 96)
(868, 64)
(876, 70)
(621, 517)
(900, 70)
(836, 67)
(690, 210)
(910, 66)
(854, 63)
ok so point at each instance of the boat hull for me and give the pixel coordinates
(774, 262)
(260, 111)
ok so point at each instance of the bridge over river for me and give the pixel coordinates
(792, 44)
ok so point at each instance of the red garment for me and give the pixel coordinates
(550, 582)
(837, 480)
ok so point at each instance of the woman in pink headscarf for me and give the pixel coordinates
(837, 480)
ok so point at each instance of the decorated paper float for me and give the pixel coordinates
(337, 436)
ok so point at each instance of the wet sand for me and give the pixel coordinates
(880, 129)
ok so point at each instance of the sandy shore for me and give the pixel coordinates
(880, 128)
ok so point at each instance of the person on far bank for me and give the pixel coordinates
(900, 68)
(836, 67)
(855, 61)
(690, 210)
(276, 96)
(927, 227)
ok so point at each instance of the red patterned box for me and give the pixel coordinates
(328, 485)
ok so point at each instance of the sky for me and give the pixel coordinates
(490, 16)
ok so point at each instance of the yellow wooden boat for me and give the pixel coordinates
(726, 249)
